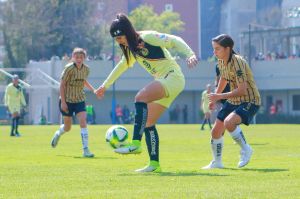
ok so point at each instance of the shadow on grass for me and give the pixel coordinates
(258, 144)
(195, 173)
(81, 157)
(266, 170)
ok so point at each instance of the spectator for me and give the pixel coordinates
(185, 114)
(119, 114)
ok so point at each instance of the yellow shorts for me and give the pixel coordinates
(173, 83)
(14, 109)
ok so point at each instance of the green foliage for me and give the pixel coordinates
(144, 18)
(30, 168)
(40, 29)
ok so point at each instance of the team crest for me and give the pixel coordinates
(144, 51)
(239, 73)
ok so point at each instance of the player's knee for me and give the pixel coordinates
(229, 124)
(216, 133)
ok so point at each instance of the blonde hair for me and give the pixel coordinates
(79, 51)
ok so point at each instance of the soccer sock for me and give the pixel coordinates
(17, 123)
(140, 119)
(152, 141)
(217, 147)
(239, 137)
(12, 125)
(61, 130)
(203, 123)
(84, 138)
(209, 123)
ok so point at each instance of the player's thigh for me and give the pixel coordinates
(155, 110)
(231, 121)
(67, 123)
(81, 116)
(218, 129)
(151, 92)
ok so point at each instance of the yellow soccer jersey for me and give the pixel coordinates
(14, 96)
(238, 71)
(154, 57)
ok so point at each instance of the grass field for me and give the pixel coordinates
(30, 168)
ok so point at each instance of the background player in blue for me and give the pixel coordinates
(149, 49)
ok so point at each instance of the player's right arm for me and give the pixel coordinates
(6, 97)
(119, 69)
(65, 77)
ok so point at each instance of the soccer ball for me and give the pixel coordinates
(116, 136)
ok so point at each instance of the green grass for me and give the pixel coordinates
(30, 168)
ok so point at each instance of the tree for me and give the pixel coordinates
(40, 29)
(144, 18)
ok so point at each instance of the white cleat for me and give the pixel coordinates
(214, 165)
(55, 139)
(245, 157)
(149, 168)
(87, 153)
(129, 150)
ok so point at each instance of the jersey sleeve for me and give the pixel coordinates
(240, 70)
(23, 102)
(66, 74)
(168, 41)
(119, 69)
(6, 96)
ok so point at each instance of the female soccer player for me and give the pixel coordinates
(243, 100)
(72, 98)
(149, 49)
(14, 100)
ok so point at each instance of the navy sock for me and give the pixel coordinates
(12, 126)
(17, 123)
(152, 141)
(209, 123)
(140, 119)
(203, 123)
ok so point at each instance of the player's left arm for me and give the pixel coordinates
(175, 42)
(23, 102)
(89, 86)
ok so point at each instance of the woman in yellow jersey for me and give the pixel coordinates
(149, 49)
(14, 100)
(243, 101)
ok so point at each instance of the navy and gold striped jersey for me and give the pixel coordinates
(238, 71)
(74, 79)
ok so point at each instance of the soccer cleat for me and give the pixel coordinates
(18, 134)
(55, 139)
(214, 165)
(87, 153)
(129, 149)
(245, 157)
(149, 168)
(12, 134)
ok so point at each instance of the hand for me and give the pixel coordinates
(211, 106)
(214, 97)
(64, 107)
(100, 92)
(192, 61)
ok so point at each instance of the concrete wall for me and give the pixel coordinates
(279, 79)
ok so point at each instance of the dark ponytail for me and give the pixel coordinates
(122, 26)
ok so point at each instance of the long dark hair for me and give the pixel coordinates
(225, 41)
(122, 26)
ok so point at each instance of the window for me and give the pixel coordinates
(296, 102)
(169, 7)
